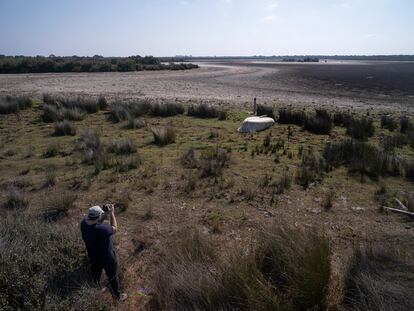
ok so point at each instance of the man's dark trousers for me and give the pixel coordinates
(110, 267)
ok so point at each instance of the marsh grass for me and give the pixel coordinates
(15, 199)
(263, 110)
(363, 158)
(11, 104)
(286, 269)
(202, 111)
(360, 128)
(290, 116)
(380, 278)
(57, 205)
(319, 123)
(122, 146)
(163, 135)
(64, 128)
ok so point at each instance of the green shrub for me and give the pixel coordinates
(342, 118)
(389, 143)
(267, 111)
(388, 122)
(290, 116)
(163, 135)
(320, 123)
(360, 128)
(64, 128)
(166, 109)
(405, 125)
(202, 111)
(363, 158)
(409, 170)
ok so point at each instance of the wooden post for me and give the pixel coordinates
(254, 107)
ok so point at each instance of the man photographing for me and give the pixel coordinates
(98, 241)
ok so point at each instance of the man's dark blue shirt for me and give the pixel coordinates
(98, 241)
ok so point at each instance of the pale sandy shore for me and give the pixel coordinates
(226, 83)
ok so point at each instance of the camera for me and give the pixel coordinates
(107, 208)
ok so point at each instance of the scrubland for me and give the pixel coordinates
(291, 218)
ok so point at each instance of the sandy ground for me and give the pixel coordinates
(228, 83)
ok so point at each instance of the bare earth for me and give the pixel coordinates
(347, 84)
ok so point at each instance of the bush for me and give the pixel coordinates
(166, 109)
(320, 123)
(123, 146)
(289, 116)
(363, 158)
(65, 128)
(380, 278)
(42, 266)
(361, 128)
(163, 135)
(265, 111)
(202, 111)
(10, 104)
(212, 162)
(16, 199)
(388, 122)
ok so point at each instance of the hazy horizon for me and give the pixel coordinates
(223, 28)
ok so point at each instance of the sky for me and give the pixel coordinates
(206, 27)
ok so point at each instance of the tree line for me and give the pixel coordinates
(97, 63)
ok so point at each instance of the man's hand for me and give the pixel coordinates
(112, 219)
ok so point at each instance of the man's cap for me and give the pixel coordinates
(94, 212)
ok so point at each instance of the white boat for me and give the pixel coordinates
(256, 124)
